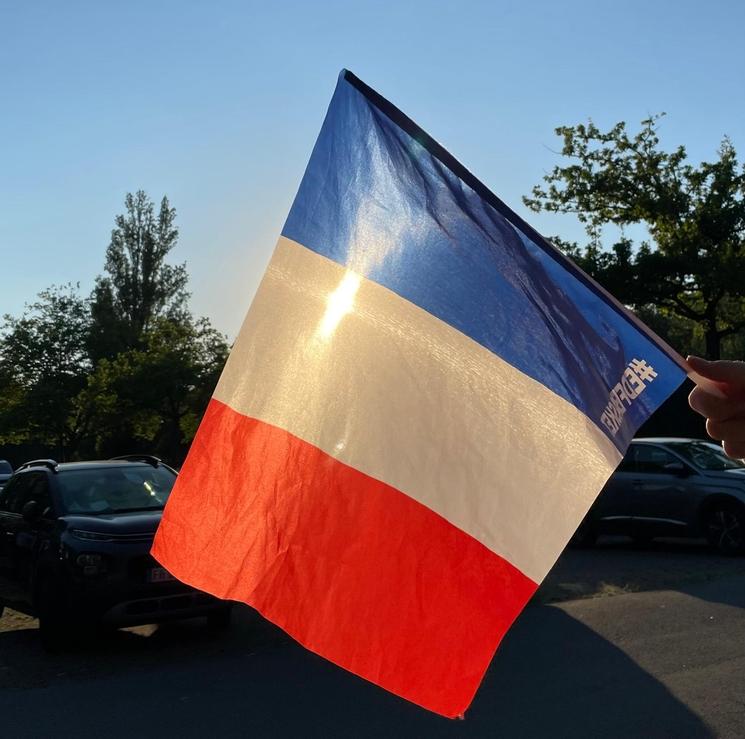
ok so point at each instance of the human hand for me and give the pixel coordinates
(725, 414)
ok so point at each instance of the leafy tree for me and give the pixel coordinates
(11, 405)
(127, 370)
(140, 286)
(43, 365)
(695, 215)
(153, 398)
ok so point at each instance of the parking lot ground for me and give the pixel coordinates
(630, 658)
(618, 565)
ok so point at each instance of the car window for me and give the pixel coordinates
(5, 468)
(7, 491)
(628, 463)
(115, 489)
(653, 459)
(38, 490)
(706, 455)
(14, 493)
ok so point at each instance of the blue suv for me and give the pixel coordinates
(75, 544)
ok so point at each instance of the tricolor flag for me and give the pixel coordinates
(422, 403)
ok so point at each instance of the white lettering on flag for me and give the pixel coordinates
(633, 381)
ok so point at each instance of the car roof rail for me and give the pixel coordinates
(147, 458)
(49, 463)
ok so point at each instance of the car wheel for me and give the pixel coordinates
(52, 620)
(219, 620)
(725, 529)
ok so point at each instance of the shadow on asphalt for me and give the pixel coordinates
(619, 565)
(552, 677)
(729, 592)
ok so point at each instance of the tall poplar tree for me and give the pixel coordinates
(139, 286)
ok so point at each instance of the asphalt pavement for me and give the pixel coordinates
(631, 658)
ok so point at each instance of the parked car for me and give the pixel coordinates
(6, 470)
(672, 487)
(75, 544)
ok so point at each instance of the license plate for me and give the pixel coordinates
(159, 574)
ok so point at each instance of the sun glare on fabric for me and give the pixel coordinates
(339, 303)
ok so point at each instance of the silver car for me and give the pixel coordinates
(672, 487)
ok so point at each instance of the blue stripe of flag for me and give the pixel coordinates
(375, 199)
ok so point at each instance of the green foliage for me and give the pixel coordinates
(140, 286)
(695, 216)
(155, 395)
(44, 365)
(128, 369)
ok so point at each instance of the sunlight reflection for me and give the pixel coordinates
(339, 303)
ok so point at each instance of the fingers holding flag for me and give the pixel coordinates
(724, 410)
(724, 372)
(731, 433)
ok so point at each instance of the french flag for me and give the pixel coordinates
(420, 407)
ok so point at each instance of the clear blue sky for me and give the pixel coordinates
(218, 104)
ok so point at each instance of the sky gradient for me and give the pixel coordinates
(218, 106)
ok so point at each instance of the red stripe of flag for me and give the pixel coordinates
(352, 568)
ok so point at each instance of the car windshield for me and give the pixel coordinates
(5, 468)
(705, 455)
(116, 489)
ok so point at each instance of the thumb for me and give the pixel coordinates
(721, 371)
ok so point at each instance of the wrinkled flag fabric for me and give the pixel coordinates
(420, 407)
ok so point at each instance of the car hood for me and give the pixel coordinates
(737, 476)
(116, 524)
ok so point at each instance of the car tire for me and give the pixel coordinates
(724, 526)
(52, 619)
(219, 620)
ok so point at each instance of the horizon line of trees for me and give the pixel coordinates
(125, 369)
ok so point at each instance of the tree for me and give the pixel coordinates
(129, 369)
(43, 366)
(695, 216)
(154, 397)
(140, 286)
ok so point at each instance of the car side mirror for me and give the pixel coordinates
(31, 511)
(677, 468)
